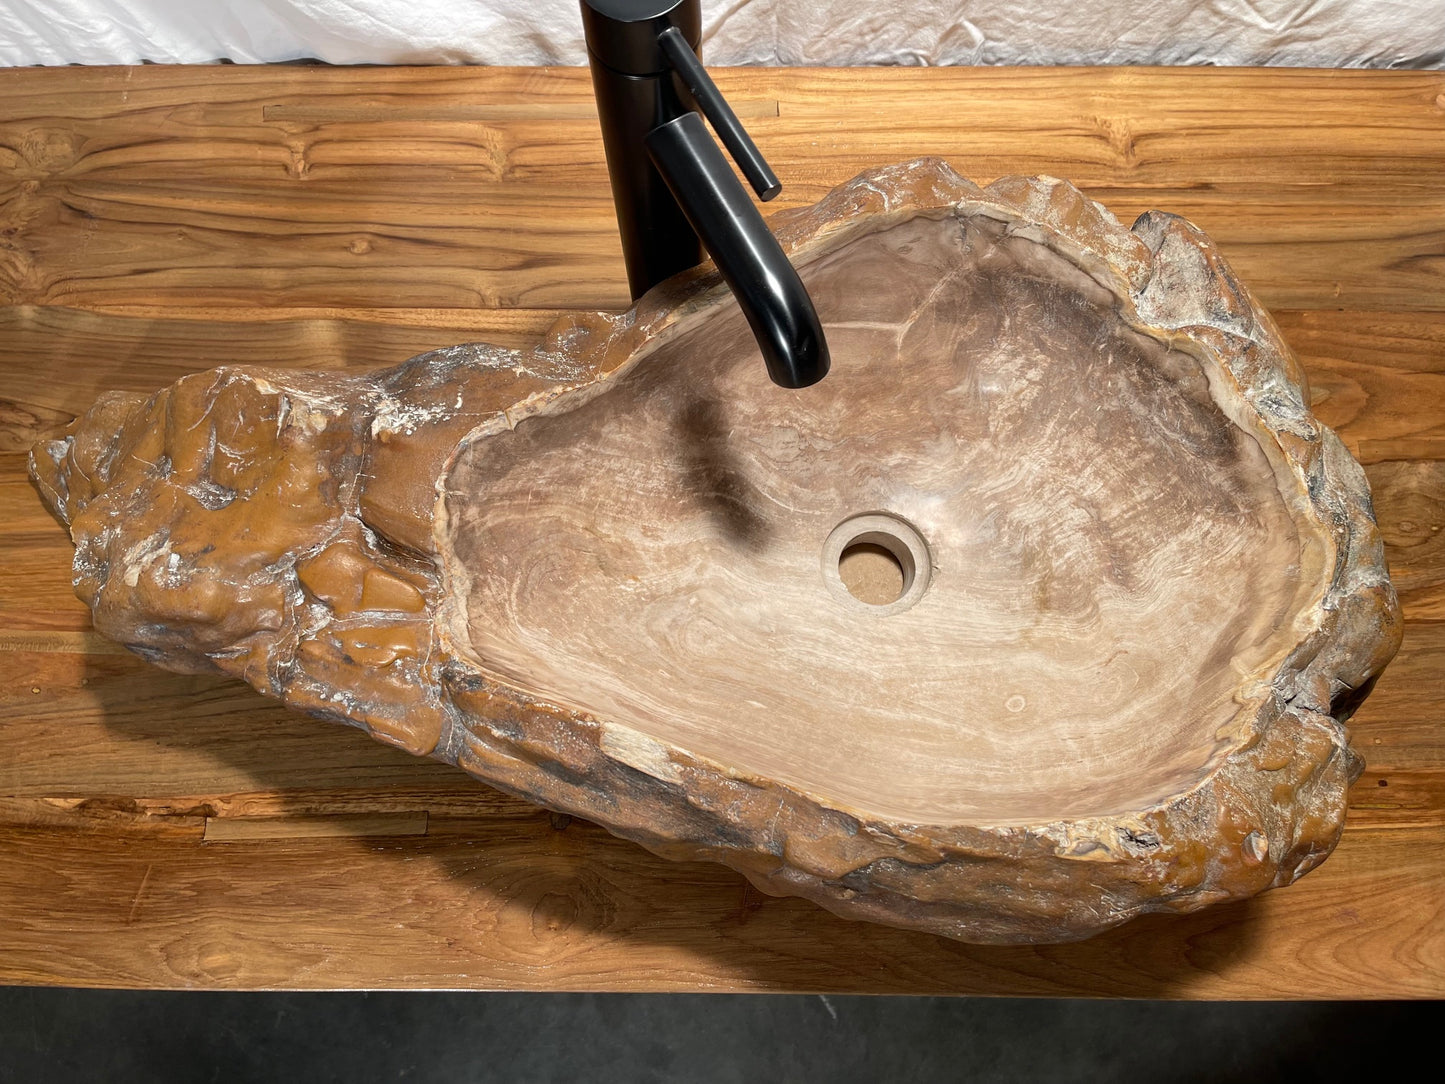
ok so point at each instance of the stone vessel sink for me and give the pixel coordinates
(1044, 610)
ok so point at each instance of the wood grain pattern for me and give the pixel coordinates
(155, 221)
(323, 203)
(231, 829)
(541, 908)
(1370, 374)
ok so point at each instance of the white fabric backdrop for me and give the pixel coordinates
(1317, 33)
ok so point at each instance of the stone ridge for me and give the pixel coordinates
(289, 528)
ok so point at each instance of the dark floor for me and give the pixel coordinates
(76, 1036)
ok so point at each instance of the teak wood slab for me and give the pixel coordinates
(160, 830)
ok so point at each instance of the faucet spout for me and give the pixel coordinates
(768, 289)
(675, 192)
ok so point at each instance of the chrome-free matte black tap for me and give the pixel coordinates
(675, 192)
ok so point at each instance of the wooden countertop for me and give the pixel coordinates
(158, 830)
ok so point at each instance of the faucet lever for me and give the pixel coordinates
(720, 115)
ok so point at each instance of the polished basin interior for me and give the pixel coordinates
(1070, 560)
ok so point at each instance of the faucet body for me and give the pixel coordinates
(674, 190)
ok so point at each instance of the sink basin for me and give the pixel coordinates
(1044, 610)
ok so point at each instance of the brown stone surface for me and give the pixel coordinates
(346, 543)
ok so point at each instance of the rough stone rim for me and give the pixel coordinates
(1271, 810)
(1185, 853)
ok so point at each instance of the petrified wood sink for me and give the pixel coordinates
(1044, 610)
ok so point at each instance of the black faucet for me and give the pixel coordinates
(675, 192)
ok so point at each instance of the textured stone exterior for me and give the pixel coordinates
(289, 529)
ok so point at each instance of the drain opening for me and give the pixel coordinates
(872, 573)
(877, 563)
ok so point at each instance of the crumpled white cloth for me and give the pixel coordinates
(1314, 33)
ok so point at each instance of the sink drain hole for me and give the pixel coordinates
(876, 562)
(872, 573)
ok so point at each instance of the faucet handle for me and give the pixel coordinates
(719, 114)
